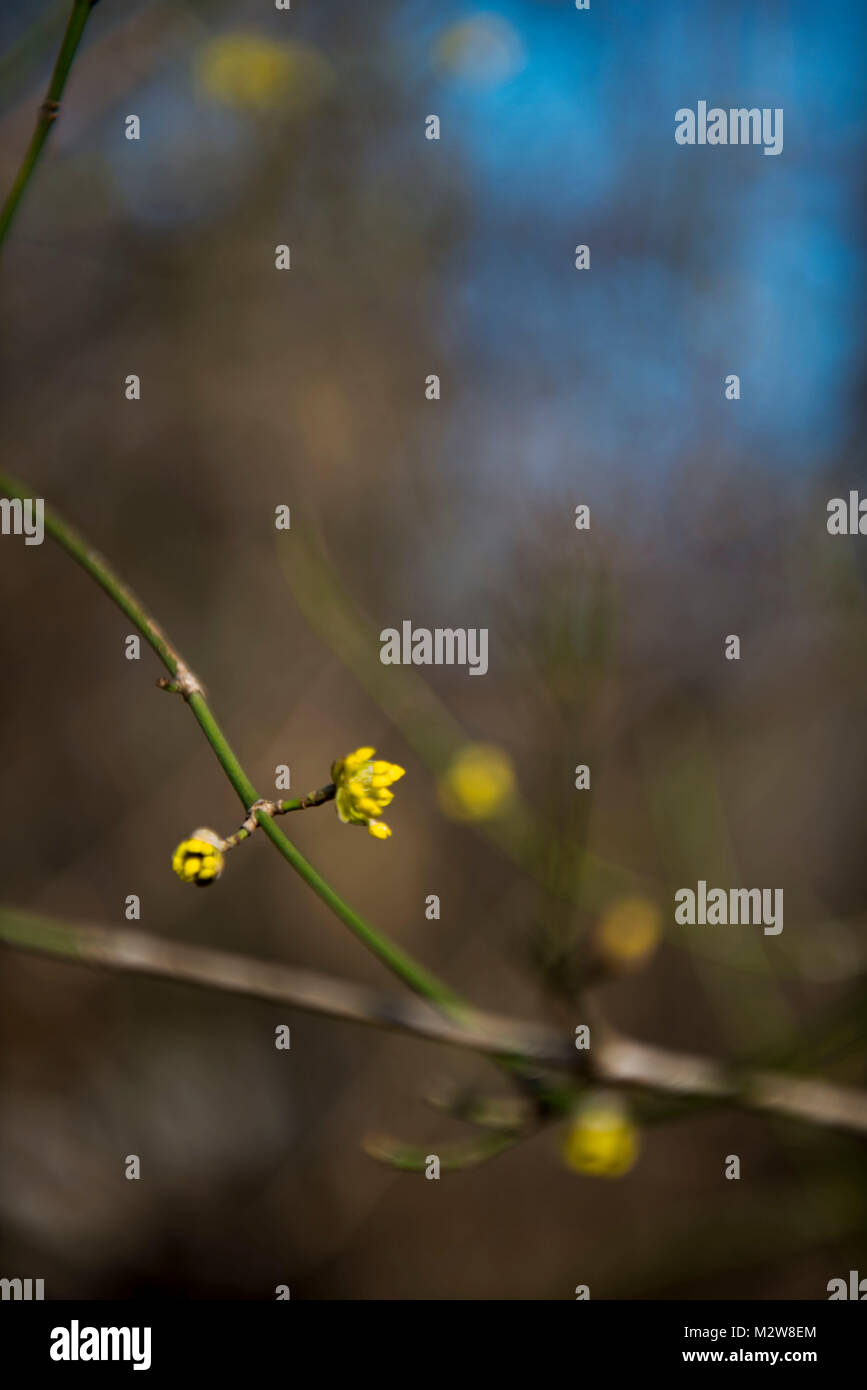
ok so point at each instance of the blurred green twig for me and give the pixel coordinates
(48, 111)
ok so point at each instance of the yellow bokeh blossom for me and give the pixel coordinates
(200, 859)
(253, 73)
(479, 783)
(628, 933)
(601, 1140)
(363, 789)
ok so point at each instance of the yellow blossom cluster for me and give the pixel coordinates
(363, 789)
(199, 859)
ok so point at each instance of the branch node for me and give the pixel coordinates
(184, 683)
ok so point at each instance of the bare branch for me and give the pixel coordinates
(612, 1060)
(141, 954)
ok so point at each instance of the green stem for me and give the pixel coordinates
(217, 739)
(303, 803)
(401, 964)
(96, 567)
(48, 111)
(273, 808)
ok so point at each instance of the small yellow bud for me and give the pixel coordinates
(601, 1140)
(200, 859)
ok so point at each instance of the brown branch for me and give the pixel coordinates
(612, 1059)
(808, 1099)
(141, 954)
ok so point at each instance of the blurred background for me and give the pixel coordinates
(307, 388)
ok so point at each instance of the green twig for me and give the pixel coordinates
(273, 808)
(48, 111)
(303, 803)
(453, 1158)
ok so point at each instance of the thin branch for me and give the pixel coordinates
(453, 1158)
(277, 808)
(612, 1059)
(503, 1113)
(48, 111)
(304, 803)
(139, 953)
(811, 1100)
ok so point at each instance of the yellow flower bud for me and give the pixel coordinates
(363, 789)
(200, 859)
(601, 1140)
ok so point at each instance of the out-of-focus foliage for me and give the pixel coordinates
(306, 388)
